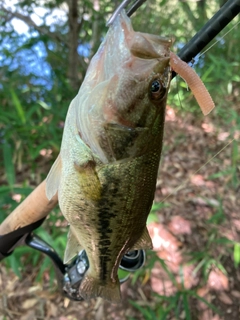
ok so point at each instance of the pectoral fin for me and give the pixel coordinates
(73, 247)
(53, 178)
(144, 242)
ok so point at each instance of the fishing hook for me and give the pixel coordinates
(137, 4)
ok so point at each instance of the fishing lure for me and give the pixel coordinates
(198, 88)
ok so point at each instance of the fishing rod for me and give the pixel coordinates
(70, 275)
(210, 30)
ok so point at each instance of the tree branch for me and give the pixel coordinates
(189, 13)
(74, 27)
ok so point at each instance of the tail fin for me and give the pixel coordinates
(92, 288)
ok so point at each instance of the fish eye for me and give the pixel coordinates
(157, 90)
(155, 86)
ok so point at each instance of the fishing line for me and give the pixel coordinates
(192, 175)
(221, 38)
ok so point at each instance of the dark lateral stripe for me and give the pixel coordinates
(105, 215)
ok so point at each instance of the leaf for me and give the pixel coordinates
(199, 266)
(29, 303)
(208, 72)
(236, 254)
(152, 217)
(169, 273)
(220, 174)
(44, 104)
(122, 274)
(15, 265)
(186, 306)
(223, 240)
(45, 236)
(24, 190)
(46, 264)
(221, 267)
(159, 205)
(18, 106)
(8, 164)
(146, 311)
(211, 306)
(4, 190)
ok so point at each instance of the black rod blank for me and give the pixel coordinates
(216, 24)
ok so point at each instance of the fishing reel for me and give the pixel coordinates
(70, 276)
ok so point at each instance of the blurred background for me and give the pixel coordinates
(193, 273)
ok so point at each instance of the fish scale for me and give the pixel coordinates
(106, 171)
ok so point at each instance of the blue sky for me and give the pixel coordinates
(29, 60)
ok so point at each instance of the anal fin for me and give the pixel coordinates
(144, 242)
(73, 247)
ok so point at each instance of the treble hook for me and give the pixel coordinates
(122, 6)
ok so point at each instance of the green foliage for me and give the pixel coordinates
(231, 172)
(209, 257)
(175, 304)
(8, 164)
(236, 254)
(123, 275)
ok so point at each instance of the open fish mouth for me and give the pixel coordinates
(122, 44)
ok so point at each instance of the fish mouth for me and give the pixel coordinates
(147, 46)
(144, 45)
(125, 48)
(146, 52)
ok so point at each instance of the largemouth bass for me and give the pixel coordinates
(106, 171)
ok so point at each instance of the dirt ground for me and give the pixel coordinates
(200, 210)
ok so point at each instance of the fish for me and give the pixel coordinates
(106, 171)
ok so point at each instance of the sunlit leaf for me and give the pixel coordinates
(236, 254)
(18, 106)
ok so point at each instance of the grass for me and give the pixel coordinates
(166, 306)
